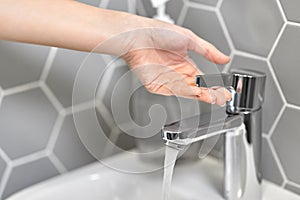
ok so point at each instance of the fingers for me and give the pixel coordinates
(217, 96)
(206, 49)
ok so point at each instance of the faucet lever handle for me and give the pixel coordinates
(211, 80)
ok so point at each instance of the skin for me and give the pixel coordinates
(156, 51)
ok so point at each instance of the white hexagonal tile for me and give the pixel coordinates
(291, 9)
(286, 139)
(273, 101)
(28, 174)
(21, 63)
(26, 121)
(253, 25)
(285, 61)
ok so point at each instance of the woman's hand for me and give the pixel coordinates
(159, 57)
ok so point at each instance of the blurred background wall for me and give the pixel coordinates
(38, 138)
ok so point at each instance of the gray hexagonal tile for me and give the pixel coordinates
(118, 5)
(26, 121)
(293, 188)
(116, 85)
(145, 8)
(285, 61)
(90, 2)
(291, 10)
(2, 167)
(173, 8)
(62, 75)
(273, 101)
(286, 142)
(21, 63)
(69, 148)
(207, 26)
(253, 25)
(28, 174)
(270, 170)
(207, 2)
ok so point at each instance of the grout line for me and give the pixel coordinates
(271, 131)
(276, 81)
(182, 14)
(4, 179)
(201, 6)
(277, 160)
(227, 66)
(4, 156)
(48, 63)
(80, 107)
(20, 88)
(55, 133)
(250, 55)
(29, 158)
(225, 29)
(57, 105)
(276, 41)
(281, 10)
(293, 184)
(293, 106)
(219, 4)
(57, 163)
(293, 23)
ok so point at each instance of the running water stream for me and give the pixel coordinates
(169, 164)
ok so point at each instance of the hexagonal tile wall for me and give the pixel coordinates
(62, 74)
(29, 174)
(253, 25)
(69, 149)
(286, 141)
(173, 8)
(285, 61)
(2, 167)
(291, 13)
(26, 121)
(270, 168)
(273, 102)
(24, 62)
(206, 2)
(210, 28)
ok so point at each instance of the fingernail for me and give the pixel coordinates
(223, 105)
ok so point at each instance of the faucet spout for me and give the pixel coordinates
(187, 131)
(241, 125)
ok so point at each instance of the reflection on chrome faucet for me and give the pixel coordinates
(240, 125)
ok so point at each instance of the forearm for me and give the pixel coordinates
(63, 23)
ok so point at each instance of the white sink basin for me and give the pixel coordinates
(192, 181)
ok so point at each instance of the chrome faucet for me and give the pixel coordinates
(241, 125)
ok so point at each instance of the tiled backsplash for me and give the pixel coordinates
(38, 135)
